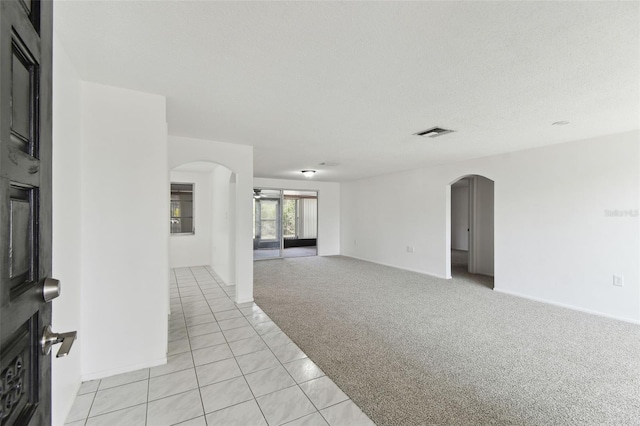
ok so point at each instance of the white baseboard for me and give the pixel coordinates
(567, 306)
(396, 266)
(512, 293)
(112, 372)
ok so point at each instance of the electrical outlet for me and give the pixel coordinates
(409, 249)
(618, 280)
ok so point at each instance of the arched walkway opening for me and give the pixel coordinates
(470, 230)
(203, 218)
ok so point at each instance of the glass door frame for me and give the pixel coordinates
(280, 218)
(278, 222)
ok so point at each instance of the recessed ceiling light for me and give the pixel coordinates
(308, 173)
(560, 123)
(434, 132)
(329, 164)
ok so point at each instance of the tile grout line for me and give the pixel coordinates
(227, 343)
(253, 325)
(195, 370)
(86, 419)
(146, 417)
(296, 384)
(175, 277)
(255, 400)
(295, 381)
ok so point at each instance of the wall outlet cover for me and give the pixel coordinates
(618, 280)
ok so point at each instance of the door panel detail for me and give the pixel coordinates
(32, 9)
(17, 378)
(24, 99)
(22, 238)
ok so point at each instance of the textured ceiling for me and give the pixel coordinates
(350, 82)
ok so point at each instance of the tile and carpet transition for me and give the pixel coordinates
(227, 365)
(411, 349)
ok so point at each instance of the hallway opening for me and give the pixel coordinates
(470, 242)
(203, 216)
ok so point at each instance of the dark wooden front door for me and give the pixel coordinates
(25, 209)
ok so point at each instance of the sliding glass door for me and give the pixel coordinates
(300, 222)
(267, 224)
(285, 223)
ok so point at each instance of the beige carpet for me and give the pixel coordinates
(410, 349)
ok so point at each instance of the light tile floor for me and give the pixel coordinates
(227, 364)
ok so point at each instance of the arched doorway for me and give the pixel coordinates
(209, 211)
(470, 233)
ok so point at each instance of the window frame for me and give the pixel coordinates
(193, 203)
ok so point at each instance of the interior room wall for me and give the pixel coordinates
(460, 217)
(565, 222)
(67, 216)
(328, 209)
(221, 231)
(239, 159)
(194, 249)
(231, 279)
(125, 265)
(484, 226)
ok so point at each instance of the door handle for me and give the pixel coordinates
(49, 338)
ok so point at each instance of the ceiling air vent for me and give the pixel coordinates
(434, 132)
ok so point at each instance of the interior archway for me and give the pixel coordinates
(213, 239)
(470, 226)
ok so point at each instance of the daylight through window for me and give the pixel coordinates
(182, 208)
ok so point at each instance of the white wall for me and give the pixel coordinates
(239, 159)
(231, 251)
(194, 249)
(328, 209)
(553, 240)
(125, 206)
(67, 215)
(460, 217)
(484, 226)
(221, 231)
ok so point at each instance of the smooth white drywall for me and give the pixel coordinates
(239, 159)
(67, 216)
(193, 249)
(460, 217)
(125, 210)
(553, 239)
(483, 214)
(220, 229)
(231, 251)
(328, 209)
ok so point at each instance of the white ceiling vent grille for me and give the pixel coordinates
(434, 132)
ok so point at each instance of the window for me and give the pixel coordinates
(182, 208)
(290, 218)
(299, 216)
(268, 219)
